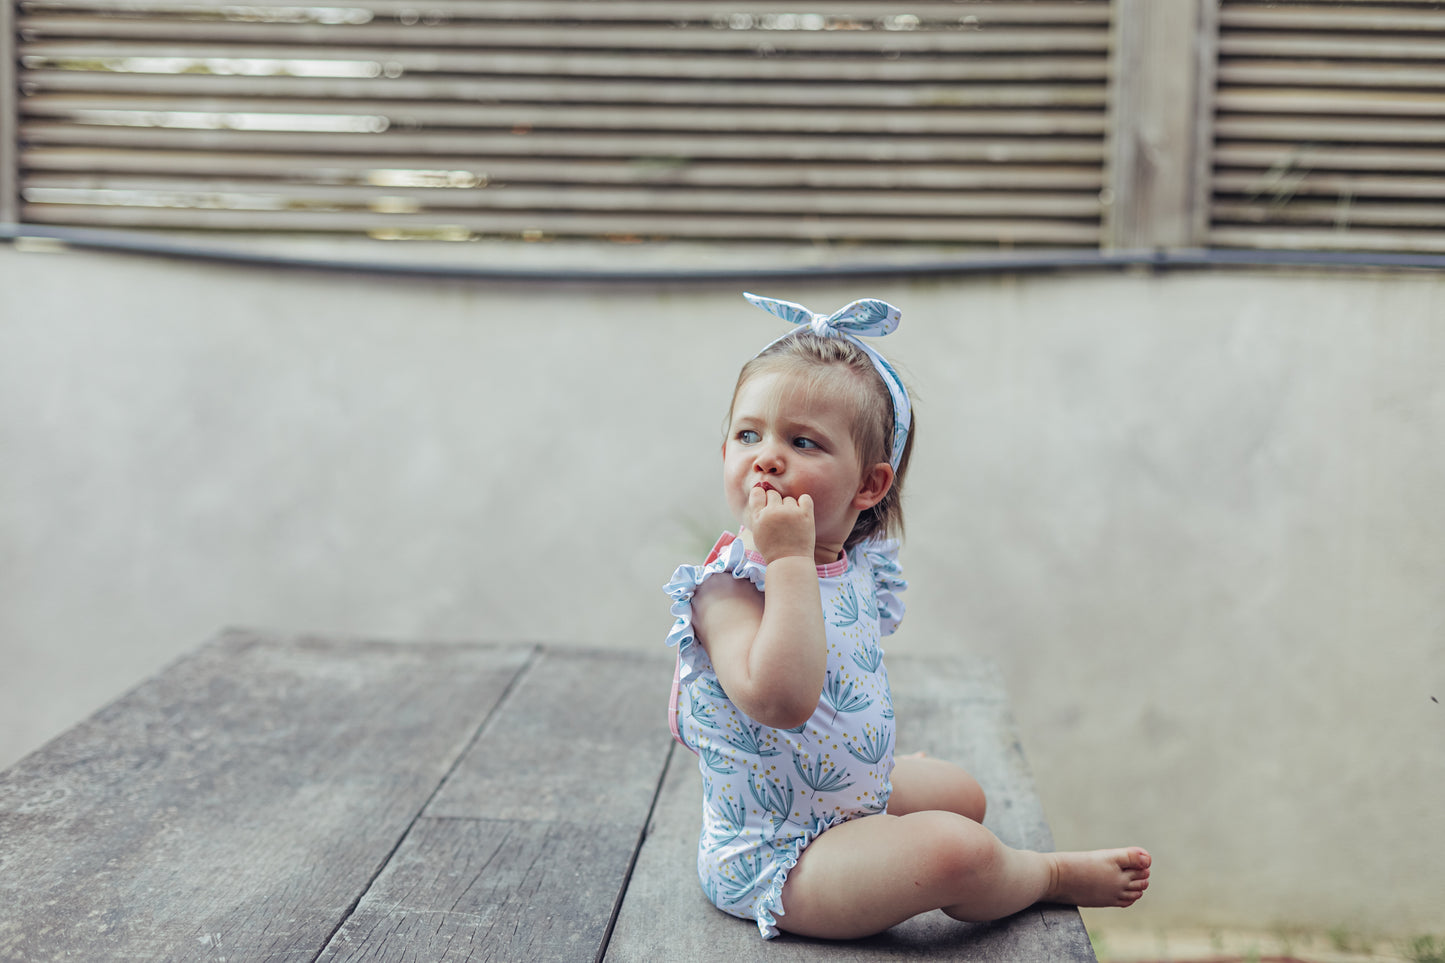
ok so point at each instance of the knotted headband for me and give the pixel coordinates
(868, 316)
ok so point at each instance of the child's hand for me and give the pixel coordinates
(781, 526)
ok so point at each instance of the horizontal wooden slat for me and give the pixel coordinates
(629, 37)
(383, 171)
(1011, 230)
(546, 90)
(1327, 239)
(220, 194)
(1344, 212)
(383, 62)
(719, 145)
(1322, 17)
(1326, 73)
(1313, 183)
(1310, 156)
(1347, 130)
(835, 14)
(1359, 47)
(980, 122)
(364, 115)
(1329, 125)
(1254, 100)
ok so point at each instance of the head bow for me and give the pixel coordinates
(867, 316)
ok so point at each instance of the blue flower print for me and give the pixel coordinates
(868, 657)
(847, 607)
(839, 694)
(742, 875)
(732, 820)
(873, 746)
(776, 800)
(821, 776)
(702, 711)
(715, 760)
(709, 889)
(749, 739)
(711, 686)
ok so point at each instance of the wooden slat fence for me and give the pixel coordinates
(1330, 126)
(1301, 124)
(980, 122)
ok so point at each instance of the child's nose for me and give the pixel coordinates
(768, 460)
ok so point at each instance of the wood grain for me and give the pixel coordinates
(526, 850)
(238, 805)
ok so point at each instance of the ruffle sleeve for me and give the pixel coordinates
(888, 581)
(728, 555)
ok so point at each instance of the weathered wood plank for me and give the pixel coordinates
(835, 14)
(1330, 101)
(213, 57)
(658, 199)
(1326, 17)
(1345, 211)
(1330, 73)
(9, 118)
(1357, 46)
(567, 90)
(1158, 100)
(1327, 239)
(266, 114)
(1351, 130)
(572, 224)
(492, 890)
(1335, 157)
(394, 171)
(578, 741)
(237, 805)
(719, 145)
(950, 709)
(1307, 183)
(525, 851)
(601, 36)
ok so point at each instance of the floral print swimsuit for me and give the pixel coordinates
(768, 793)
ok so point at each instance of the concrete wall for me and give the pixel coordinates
(1198, 519)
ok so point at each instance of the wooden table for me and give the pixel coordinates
(314, 799)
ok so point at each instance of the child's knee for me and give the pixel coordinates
(957, 849)
(972, 801)
(967, 795)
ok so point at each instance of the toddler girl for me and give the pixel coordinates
(809, 822)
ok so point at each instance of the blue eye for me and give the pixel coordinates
(749, 437)
(804, 443)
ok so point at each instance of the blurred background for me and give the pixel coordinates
(419, 322)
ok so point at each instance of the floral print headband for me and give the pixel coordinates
(868, 316)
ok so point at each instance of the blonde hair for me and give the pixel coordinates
(838, 362)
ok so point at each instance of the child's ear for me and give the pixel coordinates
(876, 482)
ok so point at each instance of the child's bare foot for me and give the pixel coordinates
(1103, 877)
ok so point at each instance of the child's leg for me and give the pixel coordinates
(868, 874)
(921, 783)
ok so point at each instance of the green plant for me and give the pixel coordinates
(1425, 949)
(1344, 940)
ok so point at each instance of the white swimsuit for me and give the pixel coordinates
(768, 793)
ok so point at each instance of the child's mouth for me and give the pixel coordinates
(765, 486)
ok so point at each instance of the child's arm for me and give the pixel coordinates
(770, 652)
